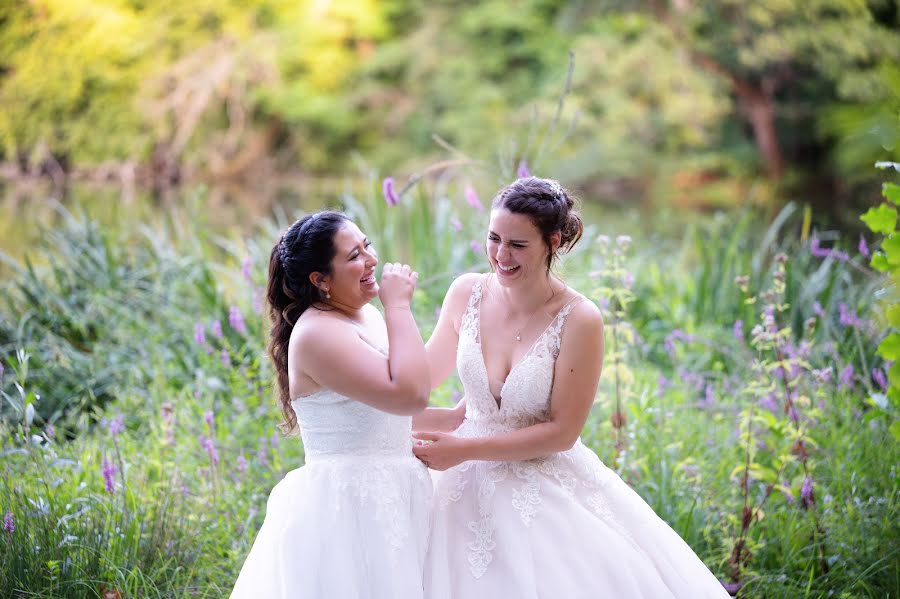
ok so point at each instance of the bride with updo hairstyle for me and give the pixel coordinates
(522, 508)
(354, 520)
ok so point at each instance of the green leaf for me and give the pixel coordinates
(879, 262)
(895, 429)
(894, 375)
(891, 191)
(881, 219)
(889, 349)
(891, 247)
(893, 315)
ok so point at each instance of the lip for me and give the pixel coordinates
(504, 273)
(368, 280)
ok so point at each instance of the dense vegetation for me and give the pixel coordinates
(688, 100)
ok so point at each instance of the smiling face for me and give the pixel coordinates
(352, 279)
(516, 248)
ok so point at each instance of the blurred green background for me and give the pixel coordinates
(687, 104)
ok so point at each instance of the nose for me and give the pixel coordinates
(502, 252)
(371, 257)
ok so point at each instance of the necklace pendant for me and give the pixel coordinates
(518, 336)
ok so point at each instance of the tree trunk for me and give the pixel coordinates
(760, 109)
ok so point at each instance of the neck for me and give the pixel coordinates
(353, 313)
(528, 296)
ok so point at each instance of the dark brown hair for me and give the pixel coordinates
(306, 247)
(550, 208)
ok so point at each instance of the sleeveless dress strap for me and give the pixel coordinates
(470, 322)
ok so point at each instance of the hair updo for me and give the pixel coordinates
(549, 207)
(306, 247)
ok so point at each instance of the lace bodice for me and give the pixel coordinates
(524, 401)
(525, 395)
(334, 425)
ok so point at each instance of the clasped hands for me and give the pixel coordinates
(440, 451)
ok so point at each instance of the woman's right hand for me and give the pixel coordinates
(398, 282)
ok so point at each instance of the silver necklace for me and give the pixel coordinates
(530, 316)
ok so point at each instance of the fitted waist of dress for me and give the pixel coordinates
(381, 456)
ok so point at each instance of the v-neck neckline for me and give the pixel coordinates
(499, 402)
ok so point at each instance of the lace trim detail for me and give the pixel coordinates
(374, 483)
(471, 318)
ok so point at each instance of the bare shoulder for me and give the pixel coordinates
(316, 329)
(461, 287)
(584, 324)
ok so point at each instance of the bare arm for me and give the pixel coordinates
(333, 354)
(440, 419)
(441, 346)
(576, 375)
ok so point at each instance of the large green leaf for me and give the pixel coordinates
(881, 219)
(892, 192)
(889, 349)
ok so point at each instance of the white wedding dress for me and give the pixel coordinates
(562, 526)
(353, 522)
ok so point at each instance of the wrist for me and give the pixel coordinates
(396, 307)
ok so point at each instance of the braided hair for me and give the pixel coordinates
(306, 247)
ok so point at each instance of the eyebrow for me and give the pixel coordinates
(511, 240)
(356, 247)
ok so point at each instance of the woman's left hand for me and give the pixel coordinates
(439, 451)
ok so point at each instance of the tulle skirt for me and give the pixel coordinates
(342, 528)
(564, 526)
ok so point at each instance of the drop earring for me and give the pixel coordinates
(327, 295)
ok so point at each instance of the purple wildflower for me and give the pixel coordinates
(456, 224)
(788, 496)
(210, 446)
(807, 498)
(236, 320)
(676, 335)
(108, 469)
(815, 250)
(623, 241)
(273, 440)
(226, 360)
(709, 399)
(476, 246)
(210, 420)
(472, 199)
(820, 252)
(247, 268)
(823, 375)
(50, 431)
(627, 279)
(863, 247)
(9, 524)
(768, 402)
(116, 425)
(262, 454)
(878, 377)
(241, 463)
(1, 372)
(603, 240)
(662, 383)
(257, 301)
(390, 196)
(200, 334)
(522, 171)
(847, 376)
(847, 317)
(738, 330)
(817, 309)
(216, 329)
